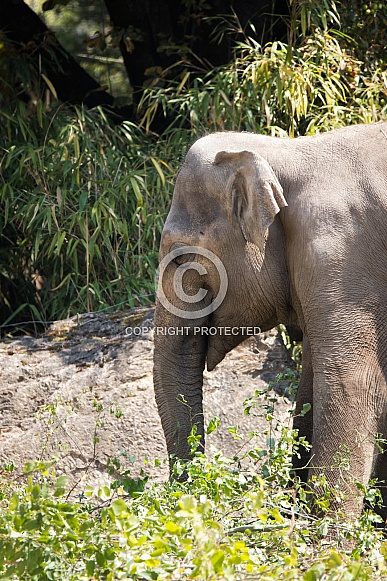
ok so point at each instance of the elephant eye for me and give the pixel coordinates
(181, 257)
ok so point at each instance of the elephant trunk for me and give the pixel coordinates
(179, 360)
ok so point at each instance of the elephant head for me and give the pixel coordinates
(222, 238)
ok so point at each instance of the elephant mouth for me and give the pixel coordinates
(223, 339)
(215, 353)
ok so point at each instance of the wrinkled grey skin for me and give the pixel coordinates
(301, 228)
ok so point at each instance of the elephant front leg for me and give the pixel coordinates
(303, 420)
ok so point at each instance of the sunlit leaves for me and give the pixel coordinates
(310, 85)
(195, 530)
(88, 203)
(229, 520)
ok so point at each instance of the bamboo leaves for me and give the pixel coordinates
(85, 200)
(298, 88)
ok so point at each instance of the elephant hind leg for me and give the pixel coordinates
(303, 422)
(349, 410)
(380, 474)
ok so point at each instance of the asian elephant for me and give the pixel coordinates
(300, 229)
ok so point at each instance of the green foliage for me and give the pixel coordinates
(82, 207)
(366, 23)
(304, 87)
(82, 203)
(230, 520)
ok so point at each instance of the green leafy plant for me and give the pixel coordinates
(315, 83)
(228, 520)
(81, 212)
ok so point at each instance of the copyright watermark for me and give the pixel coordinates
(185, 299)
(203, 331)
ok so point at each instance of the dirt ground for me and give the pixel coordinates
(83, 393)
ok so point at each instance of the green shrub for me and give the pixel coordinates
(228, 521)
(279, 89)
(82, 205)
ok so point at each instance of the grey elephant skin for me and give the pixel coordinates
(300, 226)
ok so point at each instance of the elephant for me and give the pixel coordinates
(299, 227)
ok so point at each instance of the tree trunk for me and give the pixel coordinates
(158, 33)
(27, 34)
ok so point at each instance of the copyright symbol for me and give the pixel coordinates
(178, 282)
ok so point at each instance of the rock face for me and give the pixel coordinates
(83, 393)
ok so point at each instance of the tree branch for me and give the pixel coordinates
(21, 26)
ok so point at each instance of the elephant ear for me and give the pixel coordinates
(258, 195)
